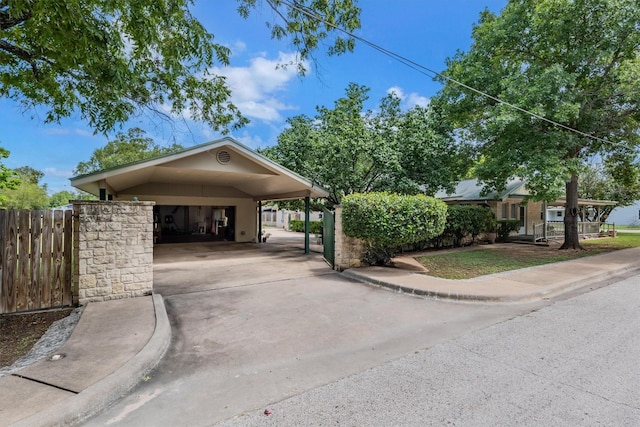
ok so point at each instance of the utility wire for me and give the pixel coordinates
(429, 72)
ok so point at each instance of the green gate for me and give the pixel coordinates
(329, 236)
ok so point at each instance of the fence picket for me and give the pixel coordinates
(7, 297)
(56, 285)
(47, 233)
(22, 302)
(35, 254)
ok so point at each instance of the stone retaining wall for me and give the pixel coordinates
(113, 250)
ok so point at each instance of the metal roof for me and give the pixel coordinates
(470, 190)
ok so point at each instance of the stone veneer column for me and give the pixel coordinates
(113, 250)
(348, 250)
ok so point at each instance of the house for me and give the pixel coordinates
(538, 220)
(212, 191)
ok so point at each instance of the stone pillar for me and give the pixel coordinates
(348, 250)
(113, 250)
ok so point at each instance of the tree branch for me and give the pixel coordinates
(23, 54)
(6, 21)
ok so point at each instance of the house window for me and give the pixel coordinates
(513, 211)
(559, 213)
(504, 210)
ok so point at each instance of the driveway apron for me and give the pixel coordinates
(257, 324)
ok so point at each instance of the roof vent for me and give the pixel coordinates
(223, 157)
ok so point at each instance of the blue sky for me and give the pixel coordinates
(425, 31)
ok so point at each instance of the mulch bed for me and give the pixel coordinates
(19, 332)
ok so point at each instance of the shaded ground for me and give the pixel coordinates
(19, 332)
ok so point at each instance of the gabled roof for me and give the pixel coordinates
(221, 164)
(470, 190)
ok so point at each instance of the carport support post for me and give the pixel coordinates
(259, 221)
(307, 225)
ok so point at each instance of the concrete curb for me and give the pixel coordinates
(537, 294)
(112, 388)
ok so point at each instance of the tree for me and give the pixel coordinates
(62, 198)
(339, 149)
(110, 59)
(7, 176)
(597, 183)
(349, 150)
(29, 174)
(576, 63)
(126, 148)
(430, 158)
(25, 192)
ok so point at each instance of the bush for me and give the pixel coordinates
(315, 227)
(505, 227)
(465, 220)
(387, 221)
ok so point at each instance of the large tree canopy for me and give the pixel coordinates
(573, 62)
(109, 59)
(347, 149)
(125, 148)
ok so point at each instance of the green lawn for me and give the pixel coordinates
(465, 264)
(627, 227)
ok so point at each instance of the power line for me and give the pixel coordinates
(428, 72)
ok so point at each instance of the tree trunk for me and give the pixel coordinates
(571, 239)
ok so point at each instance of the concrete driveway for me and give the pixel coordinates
(256, 324)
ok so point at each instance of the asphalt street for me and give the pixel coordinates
(573, 363)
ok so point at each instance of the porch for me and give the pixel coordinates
(554, 230)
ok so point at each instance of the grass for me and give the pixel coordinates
(627, 227)
(465, 264)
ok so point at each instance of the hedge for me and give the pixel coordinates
(315, 227)
(387, 221)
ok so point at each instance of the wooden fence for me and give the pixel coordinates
(35, 259)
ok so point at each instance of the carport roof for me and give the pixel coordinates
(224, 163)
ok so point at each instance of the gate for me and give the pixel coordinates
(329, 236)
(35, 259)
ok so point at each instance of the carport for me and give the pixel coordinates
(212, 191)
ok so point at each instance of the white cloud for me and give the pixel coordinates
(409, 100)
(250, 140)
(238, 47)
(68, 131)
(256, 89)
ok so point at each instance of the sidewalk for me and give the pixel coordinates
(113, 346)
(517, 286)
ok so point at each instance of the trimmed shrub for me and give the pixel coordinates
(315, 227)
(387, 221)
(465, 220)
